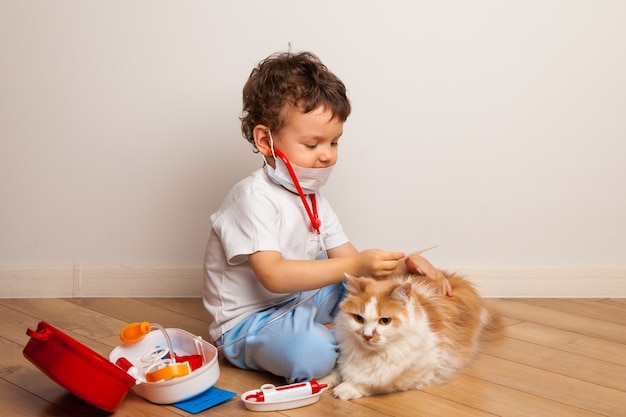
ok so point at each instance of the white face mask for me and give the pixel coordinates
(310, 179)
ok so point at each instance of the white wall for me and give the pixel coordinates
(496, 129)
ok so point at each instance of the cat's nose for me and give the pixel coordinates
(367, 337)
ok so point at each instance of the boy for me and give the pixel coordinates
(277, 254)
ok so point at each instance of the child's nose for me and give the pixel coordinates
(326, 155)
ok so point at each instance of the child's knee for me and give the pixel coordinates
(312, 355)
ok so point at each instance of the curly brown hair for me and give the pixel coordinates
(300, 80)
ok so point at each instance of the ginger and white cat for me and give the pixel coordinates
(400, 334)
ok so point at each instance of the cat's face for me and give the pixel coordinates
(375, 311)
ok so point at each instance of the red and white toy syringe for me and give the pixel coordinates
(271, 393)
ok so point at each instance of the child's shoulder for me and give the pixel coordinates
(256, 186)
(257, 180)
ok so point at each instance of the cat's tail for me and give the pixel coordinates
(493, 327)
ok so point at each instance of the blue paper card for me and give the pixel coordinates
(207, 399)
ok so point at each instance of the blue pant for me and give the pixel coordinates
(296, 346)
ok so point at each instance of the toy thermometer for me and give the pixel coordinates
(271, 393)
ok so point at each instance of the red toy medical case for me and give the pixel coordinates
(77, 368)
(104, 384)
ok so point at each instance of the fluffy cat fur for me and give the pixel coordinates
(400, 334)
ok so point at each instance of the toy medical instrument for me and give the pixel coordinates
(167, 369)
(419, 252)
(269, 392)
(310, 211)
(271, 398)
(160, 368)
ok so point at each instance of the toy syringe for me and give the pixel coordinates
(271, 393)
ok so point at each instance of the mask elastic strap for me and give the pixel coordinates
(269, 132)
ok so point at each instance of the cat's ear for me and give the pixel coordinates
(354, 285)
(402, 292)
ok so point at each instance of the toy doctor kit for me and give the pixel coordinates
(164, 366)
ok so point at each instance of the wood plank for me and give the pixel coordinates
(615, 302)
(569, 342)
(417, 403)
(191, 307)
(63, 314)
(492, 304)
(565, 321)
(135, 406)
(135, 310)
(18, 402)
(14, 324)
(545, 384)
(240, 381)
(582, 307)
(502, 400)
(559, 362)
(329, 406)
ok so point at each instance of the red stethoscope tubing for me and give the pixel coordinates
(311, 211)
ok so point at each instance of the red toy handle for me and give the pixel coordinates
(42, 335)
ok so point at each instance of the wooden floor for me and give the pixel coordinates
(558, 357)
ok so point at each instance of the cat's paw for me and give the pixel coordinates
(347, 391)
(332, 379)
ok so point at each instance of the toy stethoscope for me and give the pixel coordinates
(312, 210)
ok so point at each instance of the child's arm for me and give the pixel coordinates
(284, 276)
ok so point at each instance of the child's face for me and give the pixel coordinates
(310, 140)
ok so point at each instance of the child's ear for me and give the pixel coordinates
(262, 139)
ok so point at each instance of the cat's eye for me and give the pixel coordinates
(358, 319)
(384, 321)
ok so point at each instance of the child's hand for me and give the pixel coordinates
(377, 264)
(419, 265)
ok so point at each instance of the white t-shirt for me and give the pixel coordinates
(258, 215)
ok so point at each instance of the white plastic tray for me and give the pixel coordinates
(279, 405)
(177, 389)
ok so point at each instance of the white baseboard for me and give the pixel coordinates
(140, 281)
(607, 281)
(100, 281)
